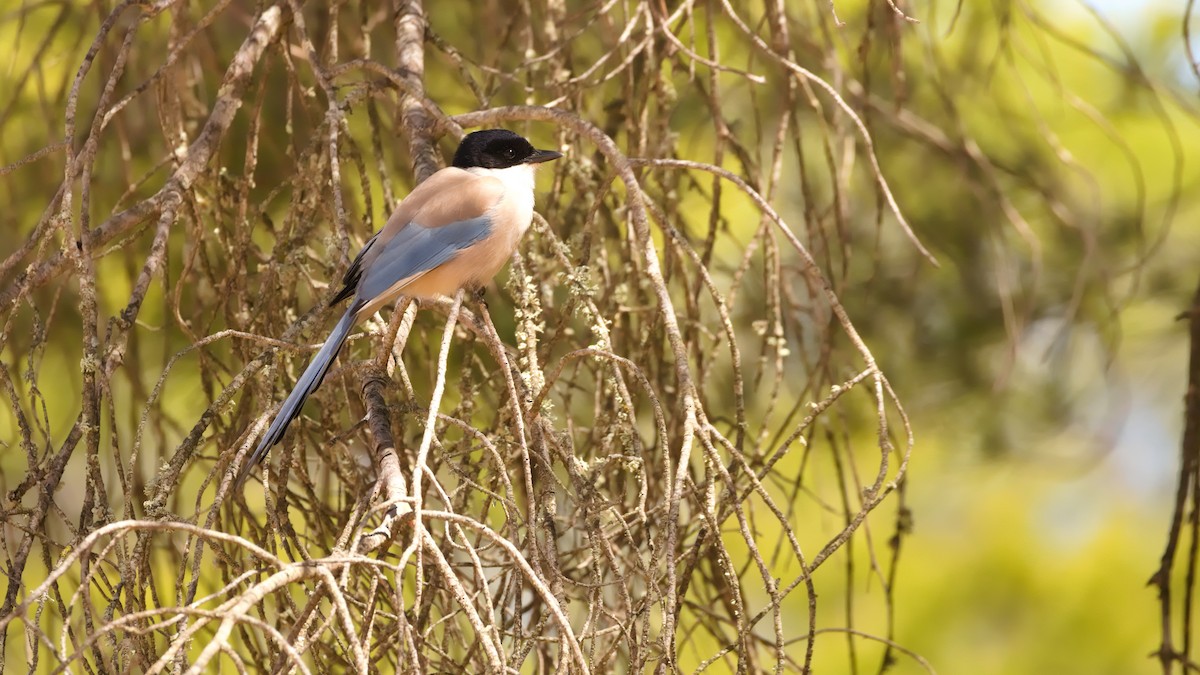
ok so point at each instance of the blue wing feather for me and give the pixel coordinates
(354, 273)
(379, 266)
(416, 249)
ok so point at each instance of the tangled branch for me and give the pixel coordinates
(666, 421)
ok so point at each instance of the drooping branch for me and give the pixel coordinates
(1187, 500)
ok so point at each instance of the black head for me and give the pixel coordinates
(498, 149)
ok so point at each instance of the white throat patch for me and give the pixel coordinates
(515, 178)
(518, 189)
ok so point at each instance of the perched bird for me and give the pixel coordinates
(455, 230)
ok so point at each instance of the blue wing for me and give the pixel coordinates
(416, 249)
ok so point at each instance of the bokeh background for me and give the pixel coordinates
(1043, 507)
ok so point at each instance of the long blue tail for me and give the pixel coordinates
(305, 386)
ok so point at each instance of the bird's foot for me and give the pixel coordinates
(479, 295)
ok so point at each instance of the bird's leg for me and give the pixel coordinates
(479, 295)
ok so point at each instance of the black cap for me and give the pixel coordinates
(498, 149)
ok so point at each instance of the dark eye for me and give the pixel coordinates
(510, 152)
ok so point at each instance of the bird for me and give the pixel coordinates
(455, 230)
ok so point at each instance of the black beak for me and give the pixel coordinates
(540, 156)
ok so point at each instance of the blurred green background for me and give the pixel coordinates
(1042, 496)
